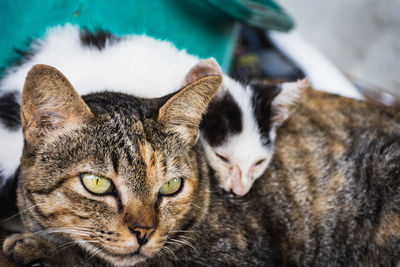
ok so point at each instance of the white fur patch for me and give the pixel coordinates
(138, 64)
(290, 92)
(11, 143)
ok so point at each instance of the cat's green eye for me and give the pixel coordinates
(171, 187)
(96, 184)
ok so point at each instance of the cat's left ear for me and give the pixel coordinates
(183, 111)
(49, 103)
(277, 99)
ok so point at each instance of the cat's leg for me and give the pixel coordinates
(28, 249)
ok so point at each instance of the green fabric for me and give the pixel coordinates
(264, 14)
(195, 25)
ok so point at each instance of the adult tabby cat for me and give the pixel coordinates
(237, 119)
(122, 181)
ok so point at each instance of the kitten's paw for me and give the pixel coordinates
(26, 250)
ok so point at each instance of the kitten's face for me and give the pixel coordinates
(108, 175)
(239, 130)
(239, 161)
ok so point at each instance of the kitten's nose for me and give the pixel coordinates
(142, 233)
(240, 183)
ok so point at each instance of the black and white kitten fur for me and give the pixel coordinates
(237, 133)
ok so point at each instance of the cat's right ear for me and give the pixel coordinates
(183, 111)
(49, 103)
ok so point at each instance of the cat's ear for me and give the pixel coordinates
(275, 100)
(49, 103)
(183, 111)
(202, 69)
(288, 95)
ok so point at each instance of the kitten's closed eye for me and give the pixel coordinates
(224, 159)
(259, 162)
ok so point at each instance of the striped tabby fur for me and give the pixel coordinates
(329, 198)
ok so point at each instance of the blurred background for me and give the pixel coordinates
(361, 37)
(346, 47)
(331, 42)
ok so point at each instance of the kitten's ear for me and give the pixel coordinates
(49, 102)
(290, 92)
(206, 67)
(183, 111)
(276, 99)
(202, 69)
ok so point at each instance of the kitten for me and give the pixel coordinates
(120, 180)
(237, 133)
(239, 129)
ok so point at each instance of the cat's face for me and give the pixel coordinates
(115, 175)
(239, 129)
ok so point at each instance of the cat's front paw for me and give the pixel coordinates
(26, 250)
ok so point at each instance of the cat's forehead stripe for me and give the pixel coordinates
(153, 160)
(147, 153)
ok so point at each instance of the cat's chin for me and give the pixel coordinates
(117, 258)
(128, 259)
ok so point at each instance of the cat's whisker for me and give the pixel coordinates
(67, 231)
(182, 231)
(97, 250)
(177, 246)
(161, 256)
(70, 231)
(185, 242)
(204, 210)
(170, 251)
(180, 246)
(19, 213)
(72, 243)
(64, 246)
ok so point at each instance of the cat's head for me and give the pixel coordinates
(117, 175)
(239, 129)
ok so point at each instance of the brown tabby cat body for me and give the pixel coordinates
(329, 198)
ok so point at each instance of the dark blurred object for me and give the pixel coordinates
(263, 14)
(257, 58)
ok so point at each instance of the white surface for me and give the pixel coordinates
(361, 37)
(322, 73)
